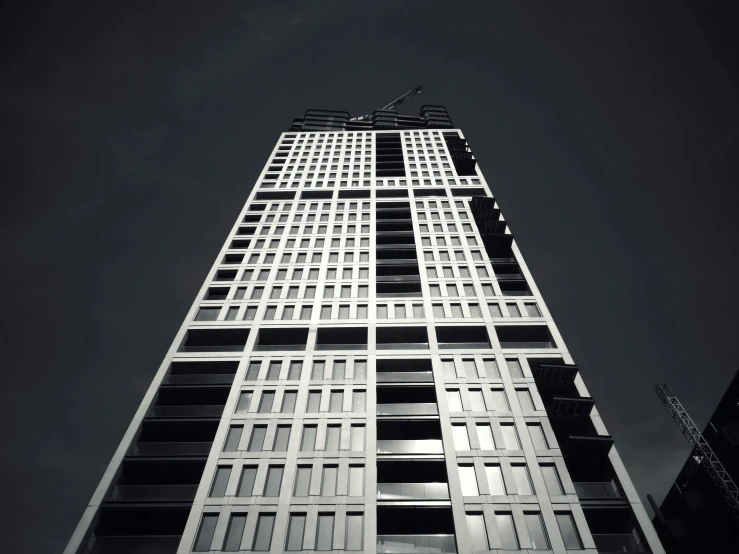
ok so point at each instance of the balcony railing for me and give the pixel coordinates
(217, 348)
(410, 408)
(199, 379)
(528, 345)
(171, 448)
(618, 542)
(412, 491)
(149, 544)
(422, 446)
(408, 544)
(153, 493)
(402, 346)
(186, 411)
(278, 347)
(405, 377)
(597, 489)
(465, 345)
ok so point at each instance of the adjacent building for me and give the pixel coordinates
(369, 366)
(695, 516)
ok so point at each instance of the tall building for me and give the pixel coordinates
(695, 516)
(368, 366)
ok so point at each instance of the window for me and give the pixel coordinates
(234, 532)
(274, 481)
(359, 401)
(418, 311)
(293, 373)
(360, 369)
(468, 480)
(314, 402)
(244, 401)
(478, 534)
(506, 530)
(454, 400)
(208, 314)
(233, 438)
(328, 481)
(532, 310)
(470, 368)
(491, 369)
(551, 478)
(344, 311)
(475, 310)
(457, 310)
(220, 481)
(566, 524)
(438, 310)
(273, 373)
(500, 402)
(485, 436)
(513, 310)
(325, 312)
(522, 478)
(263, 533)
(308, 443)
(362, 311)
(461, 439)
(302, 481)
(537, 534)
(317, 373)
(253, 372)
(336, 401)
(354, 536)
(478, 404)
(495, 480)
(282, 438)
(256, 443)
(270, 312)
(246, 483)
(537, 436)
(305, 312)
(514, 367)
(205, 533)
(265, 403)
(399, 311)
(333, 436)
(325, 532)
(295, 532)
(357, 438)
(510, 438)
(495, 311)
(356, 480)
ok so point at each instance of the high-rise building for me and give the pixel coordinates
(368, 366)
(695, 516)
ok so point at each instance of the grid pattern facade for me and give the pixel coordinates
(357, 375)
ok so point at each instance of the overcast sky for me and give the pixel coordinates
(133, 131)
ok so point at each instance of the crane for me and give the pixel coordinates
(395, 103)
(702, 451)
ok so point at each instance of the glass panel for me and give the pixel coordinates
(538, 536)
(468, 480)
(354, 532)
(495, 480)
(339, 373)
(309, 438)
(500, 402)
(525, 400)
(478, 404)
(478, 535)
(295, 531)
(253, 372)
(470, 368)
(333, 434)
(205, 533)
(510, 438)
(273, 373)
(244, 402)
(328, 483)
(551, 478)
(357, 438)
(263, 534)
(233, 438)
(513, 310)
(325, 532)
(532, 310)
(265, 403)
(537, 437)
(256, 443)
(293, 373)
(282, 438)
(491, 369)
(514, 367)
(318, 369)
(302, 481)
(522, 479)
(337, 401)
(356, 480)
(234, 532)
(495, 310)
(449, 371)
(274, 481)
(454, 400)
(288, 402)
(359, 401)
(569, 532)
(314, 401)
(246, 485)
(220, 481)
(360, 369)
(485, 436)
(506, 531)
(461, 440)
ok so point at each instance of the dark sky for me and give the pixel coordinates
(132, 133)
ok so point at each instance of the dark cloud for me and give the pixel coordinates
(133, 131)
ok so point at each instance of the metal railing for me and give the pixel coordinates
(618, 542)
(421, 446)
(597, 489)
(186, 411)
(341, 346)
(528, 345)
(402, 346)
(405, 377)
(412, 491)
(278, 347)
(407, 408)
(171, 448)
(464, 345)
(153, 493)
(218, 348)
(161, 544)
(408, 544)
(199, 379)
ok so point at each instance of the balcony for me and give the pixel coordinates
(215, 340)
(144, 448)
(186, 411)
(153, 493)
(405, 377)
(408, 408)
(404, 371)
(199, 379)
(426, 544)
(146, 544)
(412, 491)
(206, 372)
(618, 542)
(525, 336)
(417, 446)
(597, 490)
